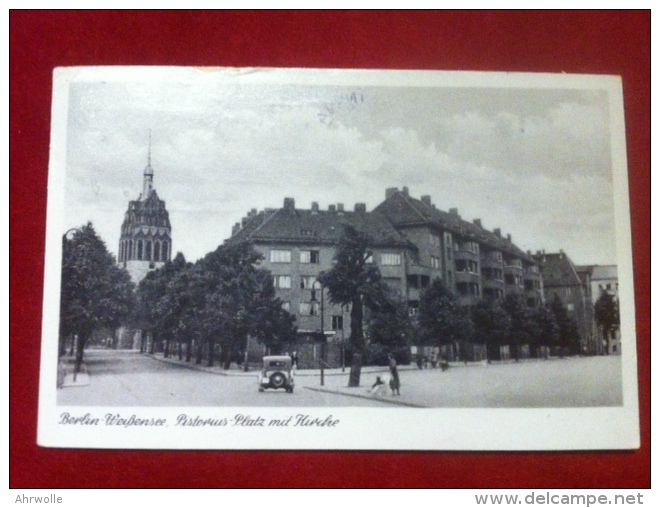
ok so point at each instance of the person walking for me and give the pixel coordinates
(395, 384)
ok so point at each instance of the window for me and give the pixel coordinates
(282, 281)
(309, 308)
(435, 262)
(434, 239)
(370, 259)
(570, 307)
(309, 256)
(280, 256)
(388, 259)
(413, 307)
(307, 281)
(286, 306)
(337, 322)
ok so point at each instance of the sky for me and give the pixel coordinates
(535, 162)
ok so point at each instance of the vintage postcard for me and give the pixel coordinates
(260, 258)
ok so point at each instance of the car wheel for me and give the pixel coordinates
(277, 380)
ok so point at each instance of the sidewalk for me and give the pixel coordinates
(335, 381)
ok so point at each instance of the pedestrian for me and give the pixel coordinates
(294, 360)
(395, 383)
(379, 387)
(434, 359)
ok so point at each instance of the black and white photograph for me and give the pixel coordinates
(259, 258)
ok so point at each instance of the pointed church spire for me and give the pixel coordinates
(148, 174)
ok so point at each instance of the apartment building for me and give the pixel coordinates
(413, 244)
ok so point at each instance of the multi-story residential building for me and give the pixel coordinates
(571, 285)
(413, 243)
(298, 244)
(472, 261)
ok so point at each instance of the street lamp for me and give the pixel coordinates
(319, 285)
(74, 339)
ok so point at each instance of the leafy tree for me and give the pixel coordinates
(492, 325)
(606, 312)
(514, 305)
(389, 330)
(358, 284)
(152, 314)
(544, 330)
(95, 291)
(438, 315)
(569, 336)
(240, 301)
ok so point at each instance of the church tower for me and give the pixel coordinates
(145, 242)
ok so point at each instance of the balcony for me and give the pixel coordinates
(464, 254)
(467, 277)
(493, 283)
(491, 263)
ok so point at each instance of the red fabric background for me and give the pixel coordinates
(611, 42)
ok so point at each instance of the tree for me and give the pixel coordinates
(606, 312)
(569, 337)
(389, 330)
(443, 321)
(514, 305)
(358, 284)
(95, 291)
(491, 324)
(545, 331)
(152, 313)
(240, 301)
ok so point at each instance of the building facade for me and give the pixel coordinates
(604, 279)
(413, 244)
(145, 242)
(571, 284)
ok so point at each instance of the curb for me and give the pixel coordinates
(365, 397)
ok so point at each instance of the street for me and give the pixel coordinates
(119, 378)
(123, 378)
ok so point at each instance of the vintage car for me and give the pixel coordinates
(277, 372)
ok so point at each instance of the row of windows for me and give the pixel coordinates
(314, 257)
(143, 250)
(313, 309)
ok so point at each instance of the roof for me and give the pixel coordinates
(558, 270)
(405, 211)
(291, 225)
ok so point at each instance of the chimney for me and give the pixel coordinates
(529, 252)
(477, 222)
(405, 191)
(453, 211)
(235, 228)
(340, 207)
(498, 232)
(331, 208)
(315, 207)
(427, 200)
(390, 192)
(243, 221)
(508, 237)
(360, 207)
(289, 204)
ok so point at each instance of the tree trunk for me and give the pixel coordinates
(180, 348)
(199, 345)
(356, 369)
(166, 352)
(357, 341)
(211, 343)
(189, 346)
